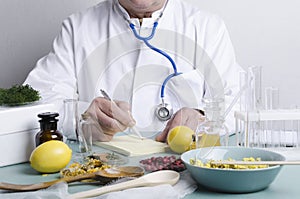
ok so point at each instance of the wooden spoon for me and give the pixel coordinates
(105, 176)
(151, 179)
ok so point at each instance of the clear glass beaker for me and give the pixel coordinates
(70, 124)
(212, 132)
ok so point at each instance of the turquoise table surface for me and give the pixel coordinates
(286, 185)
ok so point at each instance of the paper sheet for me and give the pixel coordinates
(133, 146)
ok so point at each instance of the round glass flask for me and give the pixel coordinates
(212, 132)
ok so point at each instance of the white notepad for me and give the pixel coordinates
(133, 146)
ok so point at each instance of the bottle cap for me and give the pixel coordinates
(48, 116)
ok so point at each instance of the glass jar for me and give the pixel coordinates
(48, 128)
(212, 132)
(85, 133)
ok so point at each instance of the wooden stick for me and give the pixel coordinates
(256, 162)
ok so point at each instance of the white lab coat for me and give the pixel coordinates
(96, 49)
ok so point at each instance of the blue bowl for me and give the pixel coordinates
(232, 180)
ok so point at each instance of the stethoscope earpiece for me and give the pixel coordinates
(164, 112)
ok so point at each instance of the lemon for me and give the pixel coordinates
(50, 157)
(180, 138)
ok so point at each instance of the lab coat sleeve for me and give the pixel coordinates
(54, 75)
(223, 56)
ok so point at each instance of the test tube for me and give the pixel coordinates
(271, 103)
(254, 84)
(282, 140)
(263, 135)
(271, 98)
(294, 133)
(290, 140)
(296, 127)
(298, 132)
(241, 130)
(243, 87)
(254, 101)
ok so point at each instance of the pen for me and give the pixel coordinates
(133, 128)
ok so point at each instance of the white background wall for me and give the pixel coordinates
(27, 30)
(263, 32)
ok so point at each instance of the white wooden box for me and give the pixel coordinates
(18, 126)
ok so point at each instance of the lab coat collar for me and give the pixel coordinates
(147, 22)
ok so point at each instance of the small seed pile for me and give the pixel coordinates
(163, 163)
(90, 166)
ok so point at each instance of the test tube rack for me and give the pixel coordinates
(268, 128)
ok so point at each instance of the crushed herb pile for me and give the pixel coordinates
(18, 95)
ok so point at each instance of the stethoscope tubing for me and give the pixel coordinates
(146, 41)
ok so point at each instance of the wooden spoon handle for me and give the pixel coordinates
(110, 188)
(256, 162)
(27, 187)
(42, 185)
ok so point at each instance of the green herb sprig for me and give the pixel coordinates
(18, 95)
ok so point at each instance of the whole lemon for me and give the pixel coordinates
(180, 138)
(50, 157)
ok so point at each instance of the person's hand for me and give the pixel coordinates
(110, 117)
(184, 117)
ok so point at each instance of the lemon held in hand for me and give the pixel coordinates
(180, 138)
(50, 157)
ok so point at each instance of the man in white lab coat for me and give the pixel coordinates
(96, 49)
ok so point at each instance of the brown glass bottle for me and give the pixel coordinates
(48, 128)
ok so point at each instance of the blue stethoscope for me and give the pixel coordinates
(163, 111)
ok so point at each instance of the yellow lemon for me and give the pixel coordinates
(50, 157)
(180, 138)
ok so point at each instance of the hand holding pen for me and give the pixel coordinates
(110, 117)
(133, 128)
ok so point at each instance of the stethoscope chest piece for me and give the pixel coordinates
(164, 111)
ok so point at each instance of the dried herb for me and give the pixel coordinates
(18, 95)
